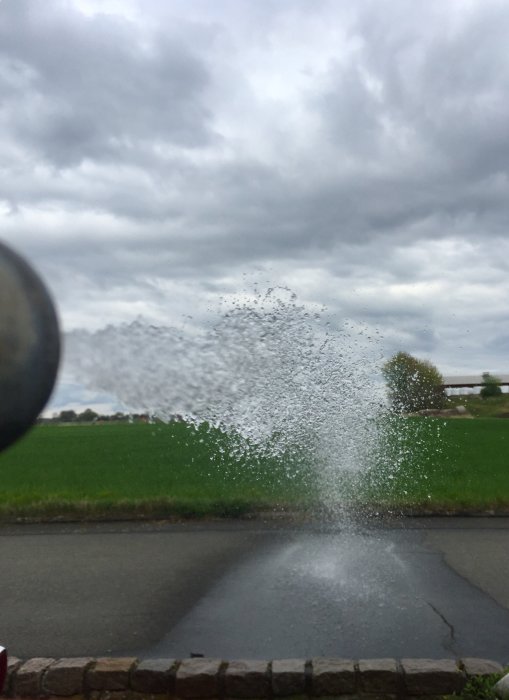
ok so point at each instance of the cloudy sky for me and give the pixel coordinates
(157, 155)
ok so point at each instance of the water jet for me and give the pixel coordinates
(275, 375)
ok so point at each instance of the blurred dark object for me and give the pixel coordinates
(3, 667)
(29, 346)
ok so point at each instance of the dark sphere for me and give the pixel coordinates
(29, 346)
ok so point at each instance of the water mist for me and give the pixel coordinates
(280, 379)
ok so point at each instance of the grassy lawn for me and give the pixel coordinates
(493, 407)
(155, 469)
(161, 470)
(454, 464)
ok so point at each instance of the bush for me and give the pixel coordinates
(413, 384)
(491, 386)
(478, 688)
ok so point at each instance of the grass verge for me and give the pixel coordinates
(122, 470)
(160, 471)
(449, 466)
(492, 407)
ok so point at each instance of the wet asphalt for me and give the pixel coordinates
(432, 588)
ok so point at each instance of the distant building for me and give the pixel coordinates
(471, 383)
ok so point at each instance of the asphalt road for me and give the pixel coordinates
(424, 588)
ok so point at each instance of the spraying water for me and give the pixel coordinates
(282, 381)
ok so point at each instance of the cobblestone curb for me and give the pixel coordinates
(214, 679)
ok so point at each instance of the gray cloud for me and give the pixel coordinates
(88, 88)
(354, 151)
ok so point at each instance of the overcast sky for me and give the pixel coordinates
(156, 155)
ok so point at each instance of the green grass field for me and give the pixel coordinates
(157, 470)
(446, 465)
(494, 407)
(153, 469)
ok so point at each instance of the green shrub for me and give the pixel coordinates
(478, 688)
(491, 386)
(413, 384)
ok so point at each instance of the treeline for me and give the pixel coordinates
(90, 416)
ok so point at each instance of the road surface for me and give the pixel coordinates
(420, 588)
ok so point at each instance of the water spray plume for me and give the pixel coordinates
(281, 380)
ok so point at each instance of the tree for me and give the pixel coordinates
(87, 416)
(491, 385)
(413, 384)
(67, 416)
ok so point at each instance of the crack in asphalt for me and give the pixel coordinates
(451, 644)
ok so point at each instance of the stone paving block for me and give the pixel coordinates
(13, 663)
(379, 675)
(481, 667)
(66, 676)
(198, 678)
(333, 676)
(111, 695)
(110, 674)
(209, 679)
(154, 676)
(288, 677)
(247, 679)
(346, 696)
(27, 678)
(431, 677)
